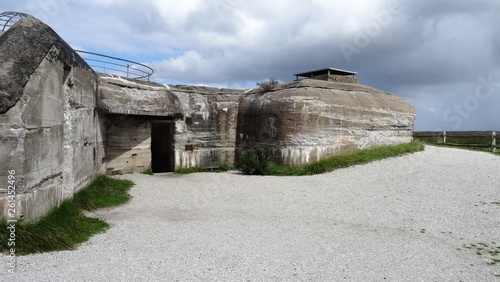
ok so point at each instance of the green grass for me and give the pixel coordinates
(67, 226)
(188, 170)
(104, 192)
(258, 162)
(147, 171)
(345, 160)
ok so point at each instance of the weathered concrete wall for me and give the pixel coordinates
(118, 95)
(308, 120)
(47, 120)
(336, 78)
(206, 135)
(204, 117)
(129, 106)
(127, 145)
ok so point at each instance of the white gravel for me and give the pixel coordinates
(400, 219)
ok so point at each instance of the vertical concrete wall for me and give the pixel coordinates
(336, 78)
(128, 107)
(47, 119)
(206, 135)
(128, 143)
(82, 157)
(204, 117)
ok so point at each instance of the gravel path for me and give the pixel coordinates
(400, 219)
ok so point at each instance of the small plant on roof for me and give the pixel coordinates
(268, 85)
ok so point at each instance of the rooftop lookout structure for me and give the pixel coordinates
(330, 74)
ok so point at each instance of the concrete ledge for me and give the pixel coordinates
(118, 95)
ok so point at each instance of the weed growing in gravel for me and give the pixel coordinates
(147, 171)
(259, 162)
(66, 226)
(492, 251)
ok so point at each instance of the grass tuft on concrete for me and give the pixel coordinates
(67, 226)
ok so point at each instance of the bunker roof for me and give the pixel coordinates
(328, 71)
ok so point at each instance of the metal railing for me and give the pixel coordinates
(118, 66)
(8, 19)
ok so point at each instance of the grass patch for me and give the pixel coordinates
(104, 192)
(335, 162)
(67, 226)
(147, 171)
(196, 169)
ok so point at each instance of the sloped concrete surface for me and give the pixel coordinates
(400, 219)
(22, 49)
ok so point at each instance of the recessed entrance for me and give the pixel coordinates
(162, 146)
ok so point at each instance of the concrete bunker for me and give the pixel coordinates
(164, 127)
(100, 123)
(310, 119)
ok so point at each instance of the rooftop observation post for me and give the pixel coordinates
(330, 74)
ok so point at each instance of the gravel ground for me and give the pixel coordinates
(401, 219)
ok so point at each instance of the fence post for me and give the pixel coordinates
(494, 142)
(444, 137)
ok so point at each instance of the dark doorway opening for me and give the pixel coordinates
(162, 146)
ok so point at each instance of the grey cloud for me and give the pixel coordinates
(429, 52)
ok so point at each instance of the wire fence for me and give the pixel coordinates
(112, 65)
(472, 139)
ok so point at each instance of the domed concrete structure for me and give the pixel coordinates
(308, 120)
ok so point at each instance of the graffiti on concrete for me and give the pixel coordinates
(268, 129)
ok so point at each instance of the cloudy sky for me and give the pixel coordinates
(443, 56)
